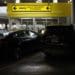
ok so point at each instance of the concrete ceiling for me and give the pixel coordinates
(63, 0)
(29, 0)
(32, 0)
(35, 0)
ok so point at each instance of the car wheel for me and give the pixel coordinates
(17, 53)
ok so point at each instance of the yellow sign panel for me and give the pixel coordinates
(30, 8)
(39, 9)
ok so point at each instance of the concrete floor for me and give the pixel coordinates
(36, 64)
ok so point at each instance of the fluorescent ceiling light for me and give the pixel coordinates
(55, 1)
(3, 10)
(17, 1)
(38, 1)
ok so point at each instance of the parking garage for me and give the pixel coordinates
(36, 40)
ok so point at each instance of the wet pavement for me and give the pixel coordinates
(37, 64)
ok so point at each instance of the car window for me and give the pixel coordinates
(26, 34)
(32, 34)
(20, 34)
(23, 34)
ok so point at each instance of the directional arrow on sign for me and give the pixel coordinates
(48, 8)
(14, 8)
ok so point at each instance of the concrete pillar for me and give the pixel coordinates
(34, 24)
(73, 12)
(34, 21)
(10, 24)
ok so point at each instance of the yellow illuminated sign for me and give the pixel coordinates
(30, 8)
(39, 9)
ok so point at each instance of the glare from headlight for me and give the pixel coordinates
(34, 68)
(33, 35)
(43, 31)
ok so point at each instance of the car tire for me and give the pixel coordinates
(17, 53)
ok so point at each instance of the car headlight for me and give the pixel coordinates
(42, 31)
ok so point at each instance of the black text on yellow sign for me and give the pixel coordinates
(31, 8)
(39, 9)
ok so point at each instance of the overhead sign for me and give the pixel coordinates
(31, 8)
(39, 9)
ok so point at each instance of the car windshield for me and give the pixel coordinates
(24, 34)
(28, 34)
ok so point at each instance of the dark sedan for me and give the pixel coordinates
(19, 43)
(59, 41)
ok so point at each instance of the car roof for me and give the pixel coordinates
(22, 31)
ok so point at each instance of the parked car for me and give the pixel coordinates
(59, 41)
(19, 43)
(4, 32)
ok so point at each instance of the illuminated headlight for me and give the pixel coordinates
(43, 31)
